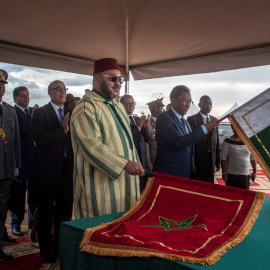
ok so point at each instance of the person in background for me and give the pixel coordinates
(69, 106)
(168, 106)
(24, 115)
(235, 163)
(140, 132)
(206, 152)
(106, 166)
(156, 107)
(175, 138)
(55, 186)
(10, 157)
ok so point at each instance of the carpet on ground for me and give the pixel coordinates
(261, 183)
(26, 257)
(179, 219)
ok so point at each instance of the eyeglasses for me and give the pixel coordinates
(130, 103)
(59, 89)
(114, 78)
(185, 101)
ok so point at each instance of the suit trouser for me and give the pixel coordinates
(5, 185)
(55, 199)
(16, 220)
(206, 174)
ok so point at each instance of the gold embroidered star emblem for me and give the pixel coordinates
(169, 225)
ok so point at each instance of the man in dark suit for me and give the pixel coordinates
(10, 157)
(174, 136)
(22, 99)
(55, 187)
(140, 132)
(207, 152)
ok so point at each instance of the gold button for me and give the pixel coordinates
(5, 150)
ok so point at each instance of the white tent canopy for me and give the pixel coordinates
(234, 106)
(150, 38)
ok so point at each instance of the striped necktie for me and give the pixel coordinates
(184, 125)
(61, 116)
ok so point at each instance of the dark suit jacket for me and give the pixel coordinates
(201, 148)
(26, 142)
(139, 138)
(51, 140)
(174, 147)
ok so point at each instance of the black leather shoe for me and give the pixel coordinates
(7, 238)
(17, 231)
(48, 257)
(5, 256)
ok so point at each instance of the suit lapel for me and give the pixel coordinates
(176, 120)
(21, 114)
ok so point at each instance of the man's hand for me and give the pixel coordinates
(140, 122)
(143, 121)
(224, 177)
(33, 109)
(65, 122)
(134, 168)
(212, 125)
(147, 121)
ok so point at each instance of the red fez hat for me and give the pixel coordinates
(105, 64)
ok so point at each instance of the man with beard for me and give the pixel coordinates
(207, 152)
(174, 136)
(107, 166)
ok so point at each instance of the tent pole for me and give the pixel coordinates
(127, 50)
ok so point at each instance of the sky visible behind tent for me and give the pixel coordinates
(225, 88)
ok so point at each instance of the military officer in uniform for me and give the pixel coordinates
(156, 107)
(10, 156)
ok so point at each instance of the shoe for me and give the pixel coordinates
(47, 257)
(7, 238)
(17, 231)
(5, 256)
(33, 244)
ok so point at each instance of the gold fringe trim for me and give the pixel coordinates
(127, 251)
(88, 232)
(250, 146)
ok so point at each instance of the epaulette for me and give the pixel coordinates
(8, 104)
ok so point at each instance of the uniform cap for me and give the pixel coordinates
(3, 76)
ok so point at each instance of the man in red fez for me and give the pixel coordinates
(107, 167)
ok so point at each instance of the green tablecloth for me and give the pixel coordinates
(252, 253)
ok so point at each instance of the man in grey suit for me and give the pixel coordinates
(207, 152)
(156, 107)
(10, 156)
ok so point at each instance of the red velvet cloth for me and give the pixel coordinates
(179, 218)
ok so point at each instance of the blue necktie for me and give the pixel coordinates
(61, 116)
(184, 125)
